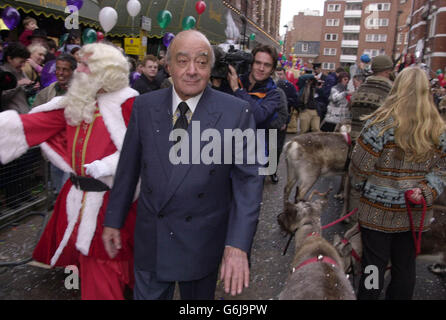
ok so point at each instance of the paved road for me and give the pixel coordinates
(269, 271)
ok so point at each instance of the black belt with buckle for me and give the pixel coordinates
(88, 184)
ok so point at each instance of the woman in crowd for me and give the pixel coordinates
(398, 162)
(33, 65)
(338, 111)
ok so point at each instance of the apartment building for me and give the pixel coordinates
(304, 35)
(354, 27)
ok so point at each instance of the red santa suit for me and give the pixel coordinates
(73, 235)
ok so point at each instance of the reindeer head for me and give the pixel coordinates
(344, 249)
(303, 212)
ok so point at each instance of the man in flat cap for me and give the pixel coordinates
(369, 97)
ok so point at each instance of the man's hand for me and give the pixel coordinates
(24, 82)
(112, 241)
(233, 78)
(234, 270)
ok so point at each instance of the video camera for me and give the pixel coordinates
(7, 80)
(240, 60)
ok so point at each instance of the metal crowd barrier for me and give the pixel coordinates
(24, 192)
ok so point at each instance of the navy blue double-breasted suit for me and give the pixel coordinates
(187, 213)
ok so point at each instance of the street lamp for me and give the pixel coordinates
(285, 38)
(245, 22)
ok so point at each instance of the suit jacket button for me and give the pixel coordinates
(201, 195)
(149, 190)
(212, 172)
(188, 218)
(160, 216)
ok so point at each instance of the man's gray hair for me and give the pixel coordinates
(179, 35)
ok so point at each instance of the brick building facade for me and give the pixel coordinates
(427, 33)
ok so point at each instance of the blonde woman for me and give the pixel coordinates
(401, 147)
(33, 65)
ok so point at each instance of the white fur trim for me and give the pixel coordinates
(13, 142)
(55, 158)
(87, 227)
(110, 108)
(74, 204)
(53, 104)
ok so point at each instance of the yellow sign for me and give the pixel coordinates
(132, 46)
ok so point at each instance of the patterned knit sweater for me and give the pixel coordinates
(369, 97)
(379, 170)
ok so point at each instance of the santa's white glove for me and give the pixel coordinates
(97, 169)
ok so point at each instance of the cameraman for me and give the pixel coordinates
(14, 57)
(257, 87)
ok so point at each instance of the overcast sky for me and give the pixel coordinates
(291, 7)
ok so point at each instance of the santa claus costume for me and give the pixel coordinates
(73, 235)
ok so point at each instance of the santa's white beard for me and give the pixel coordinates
(80, 99)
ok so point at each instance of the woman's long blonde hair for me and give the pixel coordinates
(417, 122)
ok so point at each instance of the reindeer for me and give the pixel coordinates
(318, 270)
(433, 246)
(313, 155)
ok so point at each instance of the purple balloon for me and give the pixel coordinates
(48, 75)
(11, 17)
(133, 77)
(167, 39)
(77, 3)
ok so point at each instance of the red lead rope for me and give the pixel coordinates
(409, 200)
(340, 219)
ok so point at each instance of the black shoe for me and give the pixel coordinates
(274, 178)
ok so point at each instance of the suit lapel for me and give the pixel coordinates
(207, 116)
(162, 124)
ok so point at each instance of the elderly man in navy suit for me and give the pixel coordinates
(192, 216)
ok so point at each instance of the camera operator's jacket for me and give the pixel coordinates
(264, 100)
(14, 99)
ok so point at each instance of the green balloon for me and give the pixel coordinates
(281, 42)
(89, 36)
(439, 71)
(62, 39)
(283, 58)
(252, 36)
(164, 18)
(189, 23)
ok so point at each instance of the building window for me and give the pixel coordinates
(375, 22)
(406, 38)
(304, 47)
(379, 7)
(331, 37)
(376, 38)
(332, 22)
(399, 39)
(329, 51)
(372, 52)
(432, 26)
(334, 7)
(328, 65)
(351, 36)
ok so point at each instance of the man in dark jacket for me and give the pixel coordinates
(258, 87)
(147, 81)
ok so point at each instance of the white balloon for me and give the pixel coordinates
(133, 7)
(108, 18)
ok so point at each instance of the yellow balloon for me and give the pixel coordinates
(3, 25)
(292, 49)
